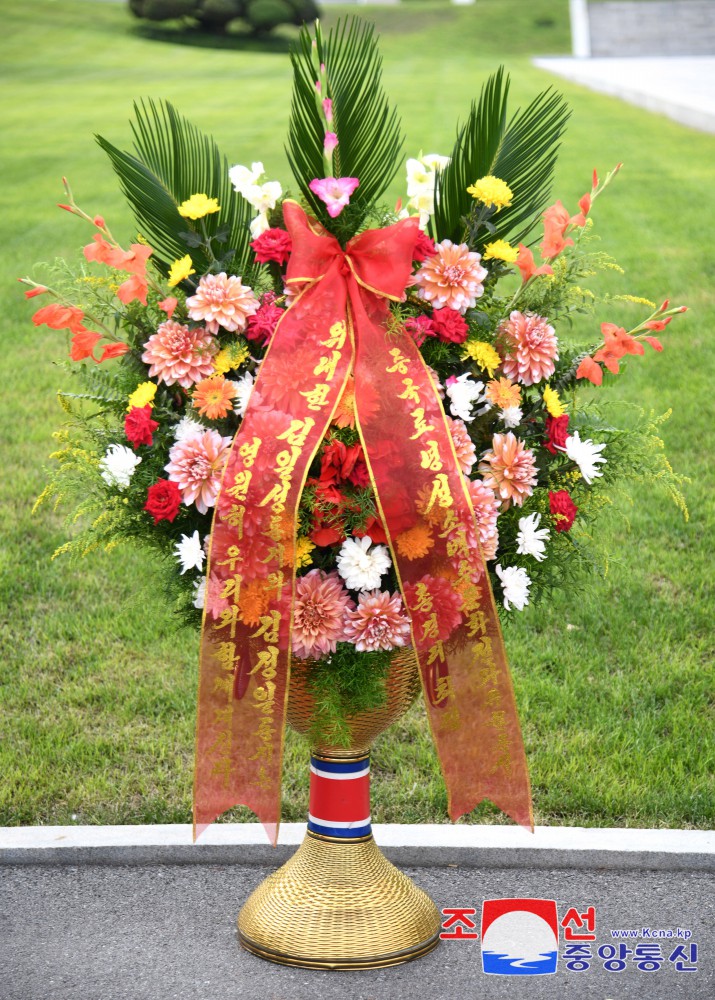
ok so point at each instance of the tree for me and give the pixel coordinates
(215, 15)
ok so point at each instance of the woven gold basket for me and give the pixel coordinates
(339, 903)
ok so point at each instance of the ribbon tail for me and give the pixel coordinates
(433, 536)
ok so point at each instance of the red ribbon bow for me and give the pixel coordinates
(338, 325)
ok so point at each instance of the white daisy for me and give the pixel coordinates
(187, 428)
(118, 466)
(586, 455)
(200, 593)
(243, 387)
(190, 552)
(464, 394)
(360, 566)
(531, 539)
(515, 584)
(512, 416)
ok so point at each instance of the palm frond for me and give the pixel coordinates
(368, 130)
(174, 160)
(521, 151)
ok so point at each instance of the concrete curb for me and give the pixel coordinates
(428, 845)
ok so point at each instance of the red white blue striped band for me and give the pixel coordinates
(339, 797)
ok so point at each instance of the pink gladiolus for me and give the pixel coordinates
(328, 110)
(334, 191)
(330, 142)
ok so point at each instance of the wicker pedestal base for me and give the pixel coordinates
(338, 904)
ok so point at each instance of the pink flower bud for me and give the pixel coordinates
(330, 142)
(328, 110)
(98, 221)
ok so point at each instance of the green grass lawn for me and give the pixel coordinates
(613, 681)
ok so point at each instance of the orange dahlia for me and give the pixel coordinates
(452, 278)
(213, 397)
(509, 470)
(177, 354)
(503, 393)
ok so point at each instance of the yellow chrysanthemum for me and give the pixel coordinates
(491, 191)
(500, 250)
(552, 402)
(180, 270)
(303, 548)
(415, 542)
(484, 355)
(142, 395)
(231, 357)
(197, 206)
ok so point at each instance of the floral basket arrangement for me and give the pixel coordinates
(353, 430)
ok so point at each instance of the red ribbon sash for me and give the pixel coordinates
(338, 324)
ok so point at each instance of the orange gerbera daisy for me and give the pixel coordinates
(213, 397)
(503, 393)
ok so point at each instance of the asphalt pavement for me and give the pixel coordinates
(167, 932)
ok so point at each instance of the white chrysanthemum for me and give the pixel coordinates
(259, 225)
(515, 584)
(361, 566)
(190, 552)
(200, 593)
(464, 394)
(243, 387)
(118, 466)
(187, 428)
(244, 177)
(531, 539)
(512, 416)
(586, 455)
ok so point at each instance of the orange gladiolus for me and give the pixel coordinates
(525, 263)
(133, 288)
(59, 317)
(113, 351)
(590, 370)
(83, 345)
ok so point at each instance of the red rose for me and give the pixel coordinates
(558, 430)
(138, 425)
(563, 509)
(273, 245)
(419, 328)
(449, 325)
(163, 500)
(424, 248)
(261, 326)
(338, 462)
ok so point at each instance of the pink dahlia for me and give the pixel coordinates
(452, 278)
(509, 469)
(433, 594)
(321, 605)
(378, 622)
(463, 444)
(196, 464)
(486, 511)
(530, 346)
(222, 301)
(177, 354)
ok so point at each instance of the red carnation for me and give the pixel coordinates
(273, 245)
(449, 325)
(558, 430)
(419, 328)
(338, 462)
(262, 324)
(138, 425)
(563, 510)
(424, 248)
(163, 500)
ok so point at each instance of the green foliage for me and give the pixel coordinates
(520, 150)
(370, 136)
(261, 16)
(343, 685)
(175, 160)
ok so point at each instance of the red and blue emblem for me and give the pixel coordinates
(339, 797)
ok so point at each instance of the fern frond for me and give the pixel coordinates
(368, 129)
(174, 160)
(521, 151)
